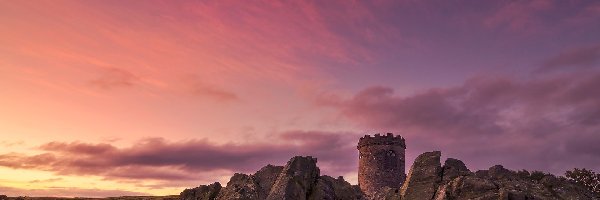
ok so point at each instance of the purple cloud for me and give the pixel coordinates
(582, 57)
(159, 159)
(520, 16)
(547, 123)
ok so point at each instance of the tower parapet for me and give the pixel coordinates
(378, 139)
(381, 162)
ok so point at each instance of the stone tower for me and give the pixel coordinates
(381, 162)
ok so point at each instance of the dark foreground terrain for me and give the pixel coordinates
(173, 197)
(428, 179)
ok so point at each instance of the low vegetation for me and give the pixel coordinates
(585, 177)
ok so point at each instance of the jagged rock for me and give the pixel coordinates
(266, 177)
(513, 195)
(203, 192)
(503, 184)
(453, 168)
(251, 187)
(427, 179)
(423, 178)
(442, 192)
(328, 188)
(387, 193)
(471, 187)
(297, 179)
(300, 179)
(499, 172)
(3, 197)
(482, 173)
(467, 187)
(241, 187)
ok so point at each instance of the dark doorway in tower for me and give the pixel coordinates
(391, 160)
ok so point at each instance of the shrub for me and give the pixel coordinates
(524, 174)
(537, 175)
(587, 178)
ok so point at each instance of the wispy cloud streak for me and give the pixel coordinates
(159, 159)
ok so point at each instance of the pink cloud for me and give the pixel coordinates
(198, 87)
(217, 93)
(111, 78)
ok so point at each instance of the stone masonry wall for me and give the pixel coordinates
(381, 162)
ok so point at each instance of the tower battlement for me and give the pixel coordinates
(378, 139)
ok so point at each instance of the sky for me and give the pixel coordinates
(112, 98)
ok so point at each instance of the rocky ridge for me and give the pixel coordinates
(428, 179)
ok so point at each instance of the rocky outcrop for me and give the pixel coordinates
(251, 187)
(296, 180)
(454, 181)
(500, 183)
(423, 177)
(266, 177)
(468, 187)
(203, 192)
(299, 179)
(329, 188)
(453, 168)
(241, 187)
(427, 179)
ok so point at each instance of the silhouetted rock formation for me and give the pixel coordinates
(427, 179)
(298, 180)
(423, 177)
(329, 188)
(453, 168)
(500, 183)
(256, 186)
(203, 192)
(240, 186)
(382, 157)
(266, 177)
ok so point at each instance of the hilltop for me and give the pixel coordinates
(427, 179)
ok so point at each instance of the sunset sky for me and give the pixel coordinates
(113, 97)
